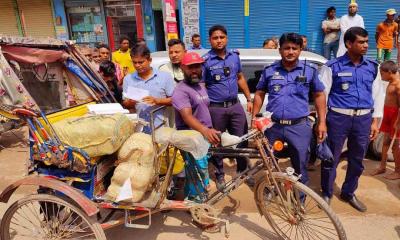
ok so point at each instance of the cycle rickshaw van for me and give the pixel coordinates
(70, 201)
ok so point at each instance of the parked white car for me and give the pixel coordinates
(253, 62)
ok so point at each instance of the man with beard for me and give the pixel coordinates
(352, 19)
(176, 50)
(288, 83)
(191, 102)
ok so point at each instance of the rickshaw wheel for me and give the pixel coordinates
(300, 213)
(43, 216)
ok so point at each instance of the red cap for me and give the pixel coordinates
(191, 58)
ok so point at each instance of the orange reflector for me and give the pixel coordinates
(278, 146)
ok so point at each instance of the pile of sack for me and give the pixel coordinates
(135, 170)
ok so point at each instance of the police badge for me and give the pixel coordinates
(276, 87)
(345, 86)
(217, 77)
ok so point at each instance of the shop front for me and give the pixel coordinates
(26, 18)
(86, 22)
(121, 19)
(10, 23)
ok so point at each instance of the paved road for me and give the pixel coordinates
(382, 221)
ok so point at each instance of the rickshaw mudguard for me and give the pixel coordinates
(89, 207)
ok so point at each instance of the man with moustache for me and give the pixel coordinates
(288, 83)
(176, 50)
(354, 108)
(222, 74)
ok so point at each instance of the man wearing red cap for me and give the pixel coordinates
(190, 100)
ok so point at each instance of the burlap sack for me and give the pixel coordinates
(97, 135)
(136, 161)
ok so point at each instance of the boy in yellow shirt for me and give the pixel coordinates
(123, 56)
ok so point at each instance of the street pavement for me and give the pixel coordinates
(381, 221)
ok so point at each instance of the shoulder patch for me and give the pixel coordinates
(331, 62)
(206, 57)
(235, 51)
(270, 66)
(373, 61)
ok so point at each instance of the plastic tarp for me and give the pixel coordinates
(33, 55)
(74, 68)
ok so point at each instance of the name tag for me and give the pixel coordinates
(277, 77)
(215, 67)
(345, 74)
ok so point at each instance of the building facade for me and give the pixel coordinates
(250, 22)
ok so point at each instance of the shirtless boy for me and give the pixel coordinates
(390, 124)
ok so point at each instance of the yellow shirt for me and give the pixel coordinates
(123, 59)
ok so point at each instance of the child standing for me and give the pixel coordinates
(390, 123)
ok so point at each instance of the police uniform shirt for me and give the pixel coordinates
(220, 75)
(353, 87)
(288, 92)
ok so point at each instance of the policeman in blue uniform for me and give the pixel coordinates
(288, 83)
(352, 88)
(222, 74)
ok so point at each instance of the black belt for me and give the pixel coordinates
(289, 121)
(224, 104)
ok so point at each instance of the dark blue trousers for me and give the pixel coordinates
(356, 129)
(298, 138)
(231, 119)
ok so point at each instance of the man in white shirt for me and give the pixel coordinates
(176, 51)
(352, 19)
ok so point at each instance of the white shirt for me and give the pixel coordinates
(347, 22)
(176, 72)
(378, 90)
(331, 24)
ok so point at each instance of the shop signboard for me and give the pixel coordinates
(190, 19)
(170, 25)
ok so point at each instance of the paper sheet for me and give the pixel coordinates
(125, 191)
(136, 94)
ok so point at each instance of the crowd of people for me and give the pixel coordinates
(202, 94)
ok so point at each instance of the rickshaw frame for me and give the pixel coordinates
(264, 163)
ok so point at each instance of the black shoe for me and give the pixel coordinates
(327, 199)
(355, 203)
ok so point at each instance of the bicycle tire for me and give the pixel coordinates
(46, 223)
(284, 180)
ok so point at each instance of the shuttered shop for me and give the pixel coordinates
(37, 18)
(272, 18)
(8, 20)
(373, 12)
(228, 13)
